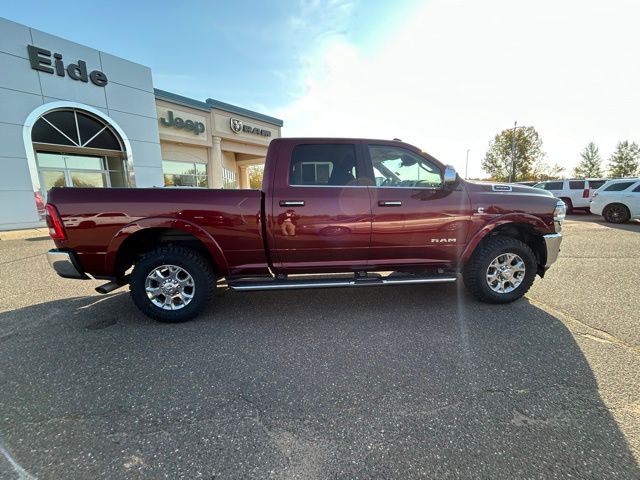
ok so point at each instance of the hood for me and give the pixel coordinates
(497, 187)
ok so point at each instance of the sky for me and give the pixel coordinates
(444, 75)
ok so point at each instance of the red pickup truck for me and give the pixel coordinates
(331, 213)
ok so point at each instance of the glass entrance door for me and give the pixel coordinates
(61, 170)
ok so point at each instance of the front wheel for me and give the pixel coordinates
(501, 270)
(172, 283)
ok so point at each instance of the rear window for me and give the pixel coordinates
(576, 185)
(553, 186)
(323, 165)
(618, 187)
(596, 184)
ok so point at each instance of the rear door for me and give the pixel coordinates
(321, 211)
(416, 221)
(579, 193)
(633, 201)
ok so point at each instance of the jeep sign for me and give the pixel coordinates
(196, 127)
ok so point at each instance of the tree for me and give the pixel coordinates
(542, 171)
(255, 176)
(625, 160)
(591, 165)
(528, 153)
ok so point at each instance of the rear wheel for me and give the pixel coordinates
(616, 213)
(172, 283)
(569, 204)
(500, 270)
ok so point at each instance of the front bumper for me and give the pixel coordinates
(552, 242)
(65, 264)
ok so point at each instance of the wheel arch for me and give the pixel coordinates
(138, 237)
(525, 232)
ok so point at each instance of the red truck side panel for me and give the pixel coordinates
(98, 220)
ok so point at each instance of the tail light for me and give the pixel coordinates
(54, 222)
(585, 193)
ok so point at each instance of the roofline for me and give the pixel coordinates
(211, 103)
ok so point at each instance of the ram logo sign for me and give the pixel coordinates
(444, 240)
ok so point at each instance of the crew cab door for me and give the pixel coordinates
(321, 210)
(416, 219)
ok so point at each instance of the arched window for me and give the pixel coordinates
(77, 149)
(74, 128)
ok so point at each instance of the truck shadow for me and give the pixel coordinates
(372, 382)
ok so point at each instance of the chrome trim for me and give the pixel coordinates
(65, 264)
(328, 283)
(450, 175)
(291, 203)
(552, 243)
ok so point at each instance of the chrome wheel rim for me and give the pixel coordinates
(170, 287)
(505, 273)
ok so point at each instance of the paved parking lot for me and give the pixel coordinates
(394, 382)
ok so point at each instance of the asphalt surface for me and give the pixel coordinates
(393, 382)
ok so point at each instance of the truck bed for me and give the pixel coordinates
(97, 220)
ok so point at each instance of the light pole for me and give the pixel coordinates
(466, 167)
(512, 174)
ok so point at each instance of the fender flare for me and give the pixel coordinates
(169, 223)
(519, 218)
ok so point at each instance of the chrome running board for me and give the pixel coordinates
(277, 284)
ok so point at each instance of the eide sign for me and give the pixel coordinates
(40, 59)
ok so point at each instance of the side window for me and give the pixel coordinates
(576, 185)
(596, 184)
(323, 165)
(618, 187)
(553, 186)
(637, 189)
(399, 167)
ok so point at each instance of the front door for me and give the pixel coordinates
(416, 220)
(321, 211)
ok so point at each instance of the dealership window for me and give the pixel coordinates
(229, 179)
(75, 149)
(184, 174)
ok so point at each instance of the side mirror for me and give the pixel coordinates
(450, 175)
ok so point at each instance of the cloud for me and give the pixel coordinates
(456, 73)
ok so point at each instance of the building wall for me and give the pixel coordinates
(152, 124)
(127, 100)
(227, 152)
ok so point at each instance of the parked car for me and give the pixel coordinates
(528, 183)
(321, 212)
(575, 193)
(618, 201)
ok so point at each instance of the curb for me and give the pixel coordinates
(24, 234)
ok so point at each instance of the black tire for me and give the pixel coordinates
(569, 204)
(190, 261)
(475, 271)
(616, 213)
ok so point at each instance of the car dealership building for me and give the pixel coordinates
(77, 117)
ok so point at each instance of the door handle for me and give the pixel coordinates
(389, 204)
(291, 203)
